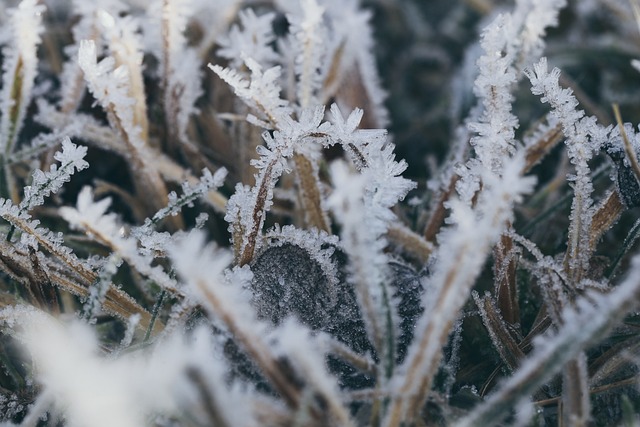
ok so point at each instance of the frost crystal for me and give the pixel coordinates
(253, 40)
(71, 159)
(329, 302)
(261, 92)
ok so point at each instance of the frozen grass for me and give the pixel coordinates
(207, 219)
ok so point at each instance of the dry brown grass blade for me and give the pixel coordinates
(439, 212)
(237, 234)
(25, 269)
(171, 95)
(629, 151)
(14, 110)
(125, 55)
(505, 280)
(613, 363)
(504, 343)
(483, 7)
(593, 391)
(607, 213)
(245, 152)
(333, 77)
(542, 147)
(353, 94)
(358, 361)
(309, 193)
(149, 186)
(116, 303)
(248, 248)
(10, 188)
(411, 243)
(541, 324)
(420, 367)
(41, 286)
(68, 272)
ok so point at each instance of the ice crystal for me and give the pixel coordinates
(71, 160)
(261, 92)
(253, 40)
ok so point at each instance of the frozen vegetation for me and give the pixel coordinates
(207, 220)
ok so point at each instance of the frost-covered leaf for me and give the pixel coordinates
(72, 81)
(247, 208)
(42, 238)
(297, 274)
(110, 86)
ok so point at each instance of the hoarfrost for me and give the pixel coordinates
(252, 38)
(71, 160)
